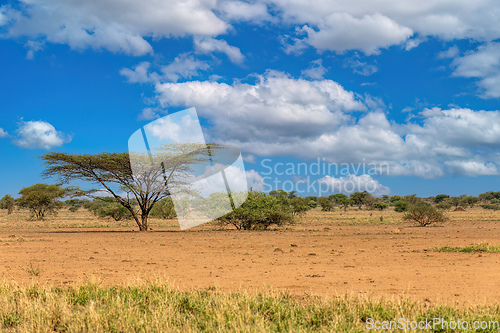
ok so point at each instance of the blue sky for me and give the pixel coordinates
(411, 88)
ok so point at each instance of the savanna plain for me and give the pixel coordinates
(329, 271)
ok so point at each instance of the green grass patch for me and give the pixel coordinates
(482, 247)
(155, 306)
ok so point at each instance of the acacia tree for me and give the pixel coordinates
(113, 172)
(7, 202)
(41, 199)
(360, 198)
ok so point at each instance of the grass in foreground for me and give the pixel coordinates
(157, 307)
(481, 247)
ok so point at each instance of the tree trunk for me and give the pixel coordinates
(143, 226)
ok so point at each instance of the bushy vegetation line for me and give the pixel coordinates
(155, 306)
(259, 211)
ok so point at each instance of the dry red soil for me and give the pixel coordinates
(376, 260)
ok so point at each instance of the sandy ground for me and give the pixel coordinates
(376, 260)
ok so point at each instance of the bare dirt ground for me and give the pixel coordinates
(326, 253)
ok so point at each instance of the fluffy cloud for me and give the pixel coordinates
(472, 168)
(139, 74)
(279, 115)
(39, 135)
(3, 16)
(117, 26)
(256, 12)
(3, 134)
(336, 25)
(276, 107)
(353, 183)
(209, 45)
(183, 66)
(483, 64)
(361, 68)
(341, 31)
(316, 71)
(452, 52)
(255, 181)
(392, 20)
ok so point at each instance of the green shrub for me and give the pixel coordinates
(326, 204)
(395, 198)
(7, 202)
(440, 198)
(73, 209)
(108, 207)
(412, 199)
(424, 214)
(312, 202)
(92, 206)
(444, 205)
(401, 206)
(380, 205)
(259, 211)
(163, 209)
(300, 205)
(489, 206)
(114, 210)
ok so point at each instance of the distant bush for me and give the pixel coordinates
(469, 201)
(259, 211)
(75, 204)
(444, 205)
(312, 203)
(108, 207)
(326, 204)
(73, 209)
(412, 199)
(114, 210)
(490, 206)
(362, 198)
(401, 206)
(424, 214)
(440, 197)
(395, 198)
(163, 209)
(337, 197)
(380, 205)
(92, 206)
(7, 202)
(300, 205)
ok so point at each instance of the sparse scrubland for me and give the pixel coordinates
(328, 245)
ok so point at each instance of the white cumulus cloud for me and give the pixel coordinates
(282, 116)
(255, 181)
(39, 135)
(353, 183)
(341, 32)
(3, 133)
(118, 26)
(209, 45)
(484, 65)
(276, 107)
(316, 71)
(184, 66)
